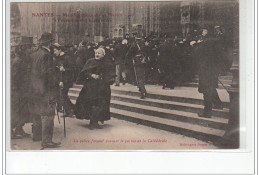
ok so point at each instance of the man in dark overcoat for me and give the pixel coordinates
(169, 60)
(43, 90)
(19, 88)
(137, 53)
(81, 56)
(209, 70)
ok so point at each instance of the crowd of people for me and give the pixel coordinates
(42, 75)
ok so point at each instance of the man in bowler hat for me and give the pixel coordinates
(44, 91)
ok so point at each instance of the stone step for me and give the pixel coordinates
(192, 118)
(225, 82)
(196, 84)
(194, 108)
(163, 97)
(159, 94)
(228, 76)
(183, 128)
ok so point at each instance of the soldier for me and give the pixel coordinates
(19, 88)
(137, 53)
(43, 91)
(208, 74)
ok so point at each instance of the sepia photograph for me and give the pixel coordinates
(124, 75)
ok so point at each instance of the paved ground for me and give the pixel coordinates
(115, 135)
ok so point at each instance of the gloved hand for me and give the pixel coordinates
(95, 76)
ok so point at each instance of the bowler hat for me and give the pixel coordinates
(46, 37)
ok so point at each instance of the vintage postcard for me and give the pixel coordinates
(153, 75)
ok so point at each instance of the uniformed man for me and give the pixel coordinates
(137, 53)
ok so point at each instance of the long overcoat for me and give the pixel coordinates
(43, 85)
(19, 90)
(209, 64)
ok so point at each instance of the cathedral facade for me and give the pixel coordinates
(96, 21)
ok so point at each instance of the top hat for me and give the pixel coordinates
(46, 37)
(26, 40)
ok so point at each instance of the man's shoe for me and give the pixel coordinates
(91, 126)
(143, 95)
(203, 115)
(50, 145)
(55, 143)
(164, 86)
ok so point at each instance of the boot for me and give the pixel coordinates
(143, 95)
(205, 115)
(91, 125)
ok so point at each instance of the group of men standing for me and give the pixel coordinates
(35, 89)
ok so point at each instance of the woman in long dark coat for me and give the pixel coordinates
(93, 102)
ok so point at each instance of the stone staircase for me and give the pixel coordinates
(170, 110)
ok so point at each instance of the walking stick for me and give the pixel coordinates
(62, 100)
(136, 79)
(57, 113)
(223, 85)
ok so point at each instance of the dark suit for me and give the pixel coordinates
(43, 92)
(209, 70)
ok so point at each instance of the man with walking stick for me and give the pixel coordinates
(43, 90)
